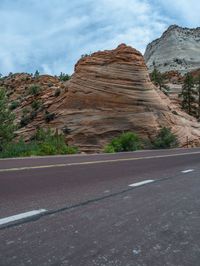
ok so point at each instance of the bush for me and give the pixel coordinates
(41, 135)
(19, 149)
(49, 116)
(25, 120)
(64, 77)
(66, 130)
(7, 126)
(109, 149)
(14, 105)
(55, 144)
(34, 90)
(36, 104)
(45, 142)
(165, 139)
(125, 142)
(33, 115)
(25, 111)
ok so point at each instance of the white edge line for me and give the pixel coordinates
(142, 183)
(21, 216)
(187, 171)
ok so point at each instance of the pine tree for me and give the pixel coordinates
(188, 95)
(37, 74)
(158, 79)
(198, 93)
(7, 126)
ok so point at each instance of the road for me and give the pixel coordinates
(136, 208)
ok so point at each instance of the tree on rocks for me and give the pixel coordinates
(7, 126)
(188, 95)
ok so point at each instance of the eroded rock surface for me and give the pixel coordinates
(109, 93)
(177, 49)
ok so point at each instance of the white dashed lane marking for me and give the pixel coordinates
(142, 183)
(187, 171)
(21, 216)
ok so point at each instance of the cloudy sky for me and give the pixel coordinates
(51, 35)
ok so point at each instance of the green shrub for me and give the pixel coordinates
(64, 77)
(51, 144)
(14, 105)
(19, 149)
(45, 142)
(25, 120)
(165, 139)
(42, 135)
(125, 142)
(49, 116)
(33, 115)
(25, 111)
(36, 104)
(66, 130)
(7, 126)
(34, 90)
(109, 149)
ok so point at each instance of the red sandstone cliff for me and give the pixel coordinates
(110, 92)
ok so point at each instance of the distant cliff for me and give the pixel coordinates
(177, 49)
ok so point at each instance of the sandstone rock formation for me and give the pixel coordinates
(177, 49)
(109, 93)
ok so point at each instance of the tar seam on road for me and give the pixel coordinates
(96, 162)
(81, 204)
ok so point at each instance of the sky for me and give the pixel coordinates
(51, 35)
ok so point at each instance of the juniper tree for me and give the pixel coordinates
(188, 95)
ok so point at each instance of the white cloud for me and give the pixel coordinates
(52, 35)
(186, 12)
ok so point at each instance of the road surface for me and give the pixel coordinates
(136, 208)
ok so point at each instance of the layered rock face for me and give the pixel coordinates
(177, 49)
(109, 93)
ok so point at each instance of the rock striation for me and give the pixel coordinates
(177, 49)
(109, 93)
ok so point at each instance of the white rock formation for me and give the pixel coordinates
(177, 49)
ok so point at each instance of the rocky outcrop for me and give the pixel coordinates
(177, 49)
(109, 93)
